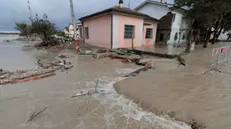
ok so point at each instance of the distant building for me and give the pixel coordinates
(173, 27)
(69, 31)
(119, 27)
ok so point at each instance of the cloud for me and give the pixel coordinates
(58, 11)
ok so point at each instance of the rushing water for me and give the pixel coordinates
(105, 109)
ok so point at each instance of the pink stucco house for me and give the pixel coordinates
(119, 27)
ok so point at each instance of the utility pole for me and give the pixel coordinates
(73, 19)
(129, 4)
(28, 2)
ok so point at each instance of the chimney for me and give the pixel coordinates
(121, 3)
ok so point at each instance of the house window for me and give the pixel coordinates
(183, 37)
(129, 31)
(148, 33)
(176, 36)
(173, 17)
(81, 32)
(86, 33)
(161, 38)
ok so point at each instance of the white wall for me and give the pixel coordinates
(178, 19)
(70, 32)
(179, 24)
(155, 11)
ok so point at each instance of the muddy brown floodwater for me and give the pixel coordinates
(185, 93)
(104, 110)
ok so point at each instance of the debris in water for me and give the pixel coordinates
(46, 69)
(145, 68)
(102, 55)
(63, 56)
(24, 75)
(88, 92)
(35, 114)
(83, 93)
(181, 60)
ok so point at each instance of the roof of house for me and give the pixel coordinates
(180, 8)
(153, 2)
(120, 10)
(167, 5)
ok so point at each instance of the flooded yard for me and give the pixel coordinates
(105, 109)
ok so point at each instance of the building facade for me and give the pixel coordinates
(69, 31)
(119, 27)
(173, 27)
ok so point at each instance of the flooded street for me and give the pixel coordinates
(103, 110)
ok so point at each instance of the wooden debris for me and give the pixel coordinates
(36, 77)
(23, 76)
(83, 93)
(102, 55)
(68, 66)
(83, 53)
(35, 114)
(127, 58)
(102, 50)
(134, 73)
(63, 56)
(139, 52)
(143, 61)
(120, 51)
(181, 60)
(88, 92)
(96, 86)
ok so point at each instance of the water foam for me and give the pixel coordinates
(108, 96)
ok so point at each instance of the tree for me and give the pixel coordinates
(60, 33)
(43, 26)
(212, 16)
(25, 29)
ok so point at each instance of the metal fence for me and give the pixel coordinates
(220, 56)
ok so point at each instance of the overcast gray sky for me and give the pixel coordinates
(58, 11)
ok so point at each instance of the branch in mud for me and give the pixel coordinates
(145, 68)
(35, 114)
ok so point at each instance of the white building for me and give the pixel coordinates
(173, 28)
(69, 31)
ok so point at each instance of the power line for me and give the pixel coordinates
(129, 4)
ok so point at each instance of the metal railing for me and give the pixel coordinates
(220, 56)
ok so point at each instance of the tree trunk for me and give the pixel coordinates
(215, 32)
(218, 34)
(207, 36)
(218, 24)
(188, 45)
(205, 40)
